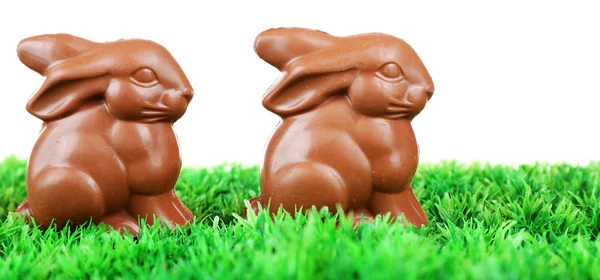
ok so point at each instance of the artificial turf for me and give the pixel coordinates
(538, 221)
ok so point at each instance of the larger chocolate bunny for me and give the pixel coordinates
(345, 138)
(107, 151)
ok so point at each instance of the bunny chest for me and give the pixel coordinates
(150, 154)
(392, 150)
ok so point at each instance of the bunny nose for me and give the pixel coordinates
(187, 93)
(418, 96)
(173, 97)
(429, 90)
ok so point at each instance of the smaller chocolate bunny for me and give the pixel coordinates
(345, 138)
(107, 151)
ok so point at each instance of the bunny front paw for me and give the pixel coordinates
(23, 209)
(403, 204)
(254, 207)
(166, 206)
(121, 222)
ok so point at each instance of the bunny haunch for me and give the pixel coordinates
(345, 138)
(107, 151)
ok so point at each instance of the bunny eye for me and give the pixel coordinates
(144, 77)
(390, 70)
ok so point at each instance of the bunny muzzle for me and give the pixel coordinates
(413, 101)
(175, 98)
(417, 97)
(175, 102)
(168, 107)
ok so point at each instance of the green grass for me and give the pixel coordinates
(486, 222)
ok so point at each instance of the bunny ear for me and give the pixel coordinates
(279, 46)
(337, 64)
(39, 52)
(69, 84)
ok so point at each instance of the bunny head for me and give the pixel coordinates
(381, 75)
(139, 80)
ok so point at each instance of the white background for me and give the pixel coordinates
(516, 81)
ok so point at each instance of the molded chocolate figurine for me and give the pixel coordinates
(345, 138)
(107, 150)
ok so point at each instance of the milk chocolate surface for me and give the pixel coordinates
(107, 152)
(345, 138)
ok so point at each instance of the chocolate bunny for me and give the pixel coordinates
(107, 151)
(345, 137)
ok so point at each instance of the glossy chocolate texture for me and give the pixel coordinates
(107, 151)
(345, 138)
